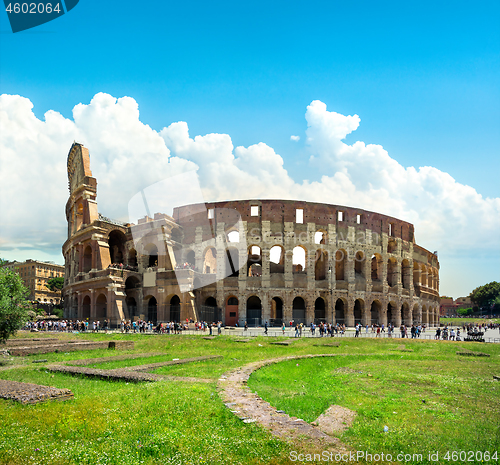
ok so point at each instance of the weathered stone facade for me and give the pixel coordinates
(282, 261)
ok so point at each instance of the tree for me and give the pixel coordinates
(55, 284)
(14, 305)
(484, 296)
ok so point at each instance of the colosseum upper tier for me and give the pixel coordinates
(244, 261)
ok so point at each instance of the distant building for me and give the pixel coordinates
(449, 307)
(35, 275)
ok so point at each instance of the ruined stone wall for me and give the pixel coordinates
(360, 266)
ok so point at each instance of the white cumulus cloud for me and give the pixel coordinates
(295, 138)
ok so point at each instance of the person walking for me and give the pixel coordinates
(265, 328)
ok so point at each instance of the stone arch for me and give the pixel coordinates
(425, 315)
(131, 306)
(233, 236)
(210, 261)
(175, 308)
(359, 264)
(86, 308)
(321, 265)
(405, 274)
(340, 311)
(376, 312)
(340, 264)
(116, 242)
(392, 313)
(232, 262)
(87, 259)
(277, 259)
(376, 267)
(416, 275)
(152, 310)
(254, 261)
(417, 315)
(191, 258)
(254, 311)
(392, 272)
(132, 258)
(277, 309)
(299, 310)
(151, 252)
(101, 307)
(406, 314)
(319, 310)
(423, 275)
(321, 237)
(231, 310)
(392, 246)
(299, 259)
(359, 309)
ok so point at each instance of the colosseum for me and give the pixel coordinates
(244, 261)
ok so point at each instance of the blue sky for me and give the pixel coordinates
(423, 77)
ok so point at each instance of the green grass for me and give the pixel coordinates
(172, 422)
(430, 399)
(466, 321)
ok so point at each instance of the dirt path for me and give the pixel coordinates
(250, 408)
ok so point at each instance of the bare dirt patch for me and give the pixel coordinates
(28, 393)
(335, 419)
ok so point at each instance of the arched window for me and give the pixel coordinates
(376, 267)
(87, 259)
(299, 259)
(254, 261)
(210, 261)
(277, 259)
(232, 262)
(406, 274)
(340, 264)
(359, 264)
(392, 272)
(116, 241)
(132, 258)
(321, 265)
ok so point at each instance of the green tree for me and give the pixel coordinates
(484, 296)
(14, 305)
(55, 284)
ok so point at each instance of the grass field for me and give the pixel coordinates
(466, 321)
(430, 398)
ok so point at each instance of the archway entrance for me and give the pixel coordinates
(375, 312)
(339, 312)
(299, 310)
(276, 312)
(101, 307)
(175, 309)
(319, 311)
(358, 311)
(152, 310)
(231, 311)
(86, 308)
(254, 311)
